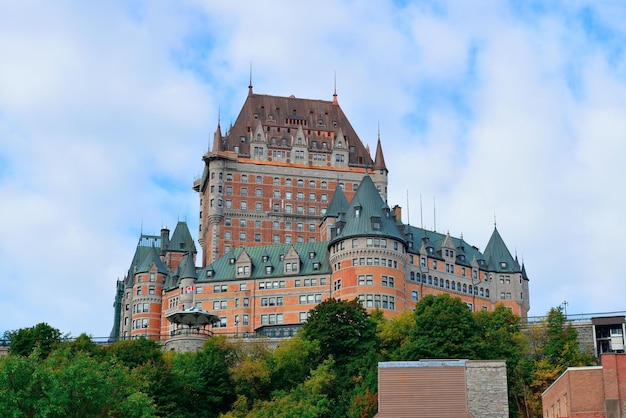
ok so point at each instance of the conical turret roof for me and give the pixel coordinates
(152, 257)
(338, 204)
(368, 215)
(497, 255)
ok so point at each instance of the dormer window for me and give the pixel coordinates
(209, 273)
(311, 254)
(281, 257)
(357, 211)
(232, 260)
(269, 269)
(316, 265)
(503, 264)
(376, 224)
(265, 258)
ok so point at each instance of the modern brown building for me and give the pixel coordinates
(293, 210)
(589, 392)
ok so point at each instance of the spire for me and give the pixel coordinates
(217, 135)
(335, 102)
(379, 159)
(250, 85)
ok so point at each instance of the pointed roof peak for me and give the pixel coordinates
(368, 214)
(497, 254)
(250, 84)
(379, 159)
(338, 203)
(188, 268)
(335, 101)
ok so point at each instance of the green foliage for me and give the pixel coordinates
(204, 381)
(42, 337)
(393, 334)
(342, 328)
(444, 328)
(70, 384)
(554, 348)
(291, 362)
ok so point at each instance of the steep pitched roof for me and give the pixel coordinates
(379, 159)
(144, 247)
(368, 214)
(498, 256)
(188, 269)
(320, 121)
(181, 239)
(338, 204)
(152, 257)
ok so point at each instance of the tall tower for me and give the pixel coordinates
(368, 253)
(269, 178)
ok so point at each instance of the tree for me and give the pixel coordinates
(203, 380)
(291, 362)
(70, 384)
(343, 330)
(393, 333)
(347, 335)
(25, 340)
(554, 346)
(502, 338)
(444, 328)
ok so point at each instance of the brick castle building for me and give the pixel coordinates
(293, 210)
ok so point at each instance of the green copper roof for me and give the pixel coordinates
(188, 268)
(313, 261)
(152, 257)
(338, 204)
(181, 239)
(497, 255)
(464, 252)
(368, 215)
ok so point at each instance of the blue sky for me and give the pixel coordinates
(508, 108)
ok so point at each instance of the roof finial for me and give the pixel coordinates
(379, 130)
(495, 224)
(250, 85)
(335, 89)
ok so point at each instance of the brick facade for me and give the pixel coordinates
(589, 392)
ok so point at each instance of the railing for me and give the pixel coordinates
(577, 317)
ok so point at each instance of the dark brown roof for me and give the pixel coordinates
(320, 120)
(379, 159)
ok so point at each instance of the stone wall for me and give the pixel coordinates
(487, 388)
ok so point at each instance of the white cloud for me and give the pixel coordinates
(106, 110)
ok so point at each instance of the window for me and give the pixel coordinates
(303, 316)
(242, 236)
(244, 205)
(151, 290)
(389, 281)
(244, 178)
(244, 191)
(414, 296)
